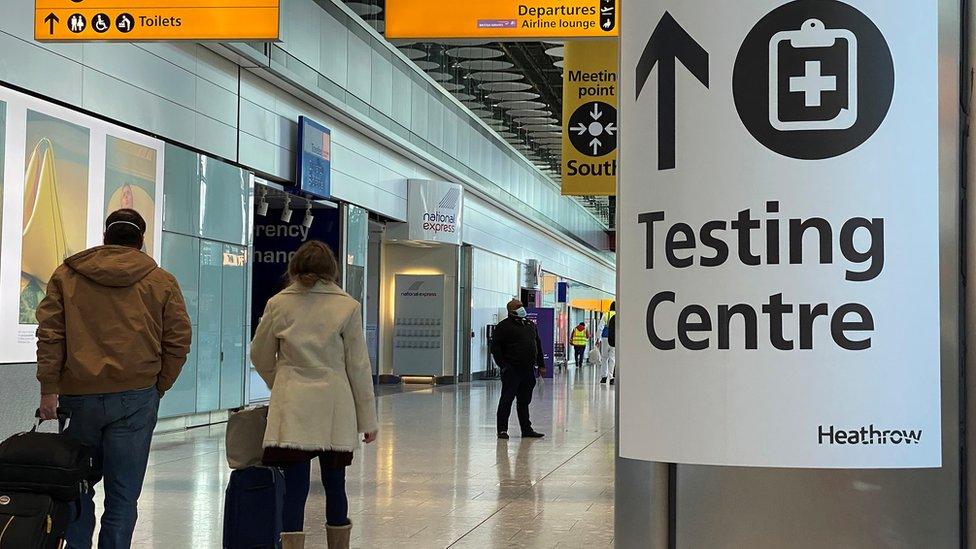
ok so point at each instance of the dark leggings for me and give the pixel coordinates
(297, 484)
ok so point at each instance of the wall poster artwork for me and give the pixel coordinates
(55, 204)
(130, 181)
(61, 173)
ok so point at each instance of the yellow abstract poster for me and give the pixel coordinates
(55, 203)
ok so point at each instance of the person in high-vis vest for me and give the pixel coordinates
(607, 352)
(579, 340)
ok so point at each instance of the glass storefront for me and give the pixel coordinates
(206, 237)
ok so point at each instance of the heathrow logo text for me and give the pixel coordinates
(867, 435)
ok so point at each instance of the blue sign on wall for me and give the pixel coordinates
(562, 292)
(314, 158)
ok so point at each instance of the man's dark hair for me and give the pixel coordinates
(125, 227)
(613, 306)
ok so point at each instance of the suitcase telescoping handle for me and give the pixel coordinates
(64, 419)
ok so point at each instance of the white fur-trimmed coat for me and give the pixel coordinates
(311, 351)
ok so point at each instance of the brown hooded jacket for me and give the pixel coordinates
(112, 321)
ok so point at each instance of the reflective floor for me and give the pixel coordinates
(437, 476)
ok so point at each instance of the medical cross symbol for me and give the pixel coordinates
(813, 84)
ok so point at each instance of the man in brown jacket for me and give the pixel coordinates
(113, 336)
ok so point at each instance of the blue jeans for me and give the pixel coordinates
(297, 484)
(118, 427)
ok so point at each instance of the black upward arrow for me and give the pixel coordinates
(51, 19)
(669, 42)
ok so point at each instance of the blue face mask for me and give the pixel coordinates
(520, 312)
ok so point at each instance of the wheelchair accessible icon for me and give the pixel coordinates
(814, 79)
(813, 83)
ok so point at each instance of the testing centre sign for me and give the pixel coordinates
(590, 118)
(501, 19)
(779, 246)
(164, 20)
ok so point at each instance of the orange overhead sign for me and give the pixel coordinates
(602, 305)
(161, 20)
(501, 19)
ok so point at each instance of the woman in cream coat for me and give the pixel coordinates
(311, 351)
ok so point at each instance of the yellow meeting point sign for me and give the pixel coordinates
(501, 19)
(590, 118)
(138, 20)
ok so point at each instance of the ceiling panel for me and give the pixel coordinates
(513, 96)
(484, 65)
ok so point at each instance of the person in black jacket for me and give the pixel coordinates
(518, 352)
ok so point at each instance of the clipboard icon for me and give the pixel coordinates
(811, 81)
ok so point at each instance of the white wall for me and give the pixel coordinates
(494, 282)
(491, 229)
(364, 172)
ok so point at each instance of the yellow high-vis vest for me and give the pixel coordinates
(579, 338)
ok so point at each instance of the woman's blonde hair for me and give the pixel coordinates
(313, 262)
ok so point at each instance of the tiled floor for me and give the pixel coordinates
(437, 476)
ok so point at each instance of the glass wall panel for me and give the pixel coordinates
(208, 329)
(232, 322)
(357, 247)
(181, 257)
(224, 192)
(182, 398)
(181, 213)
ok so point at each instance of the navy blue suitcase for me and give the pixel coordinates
(253, 508)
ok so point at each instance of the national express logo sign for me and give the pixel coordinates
(443, 218)
(434, 211)
(417, 290)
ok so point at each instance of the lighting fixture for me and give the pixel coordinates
(262, 209)
(286, 213)
(309, 218)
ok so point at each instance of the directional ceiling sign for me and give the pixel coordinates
(501, 19)
(590, 123)
(778, 234)
(157, 20)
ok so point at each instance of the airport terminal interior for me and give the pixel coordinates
(712, 255)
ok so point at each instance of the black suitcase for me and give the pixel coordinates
(253, 508)
(32, 521)
(46, 463)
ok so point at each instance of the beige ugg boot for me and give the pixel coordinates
(339, 536)
(293, 540)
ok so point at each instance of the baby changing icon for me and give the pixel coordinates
(813, 78)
